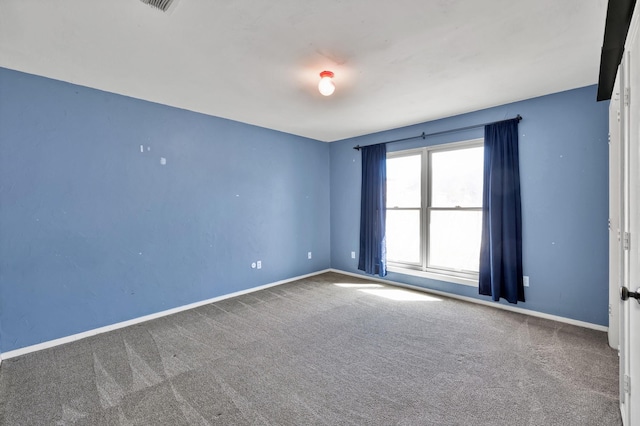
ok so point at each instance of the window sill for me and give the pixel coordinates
(433, 276)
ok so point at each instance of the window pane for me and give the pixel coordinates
(403, 181)
(456, 177)
(403, 236)
(454, 241)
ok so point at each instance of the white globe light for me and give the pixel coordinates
(326, 86)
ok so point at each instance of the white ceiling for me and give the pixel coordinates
(395, 62)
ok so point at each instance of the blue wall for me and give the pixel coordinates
(564, 172)
(93, 232)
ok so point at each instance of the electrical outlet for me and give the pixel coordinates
(253, 265)
(525, 281)
(309, 255)
(259, 264)
(353, 254)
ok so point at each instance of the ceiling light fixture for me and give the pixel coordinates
(326, 86)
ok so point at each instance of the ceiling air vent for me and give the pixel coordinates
(163, 5)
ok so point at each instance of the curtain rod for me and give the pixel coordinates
(459, 129)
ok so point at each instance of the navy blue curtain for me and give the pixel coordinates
(501, 248)
(373, 213)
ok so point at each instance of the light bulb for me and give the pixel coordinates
(326, 86)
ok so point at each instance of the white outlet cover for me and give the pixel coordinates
(525, 281)
(253, 265)
(259, 264)
(353, 254)
(309, 255)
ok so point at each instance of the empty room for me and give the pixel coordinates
(332, 213)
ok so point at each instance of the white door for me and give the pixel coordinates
(630, 308)
(632, 328)
(625, 210)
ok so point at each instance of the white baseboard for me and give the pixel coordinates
(481, 302)
(51, 343)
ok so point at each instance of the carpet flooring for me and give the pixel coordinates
(327, 350)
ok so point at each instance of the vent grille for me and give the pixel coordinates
(163, 5)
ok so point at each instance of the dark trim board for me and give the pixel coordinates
(619, 14)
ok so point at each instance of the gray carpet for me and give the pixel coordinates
(312, 352)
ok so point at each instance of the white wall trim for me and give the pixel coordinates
(72, 338)
(481, 302)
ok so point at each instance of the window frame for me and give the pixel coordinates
(409, 153)
(422, 269)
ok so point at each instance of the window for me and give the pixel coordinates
(434, 210)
